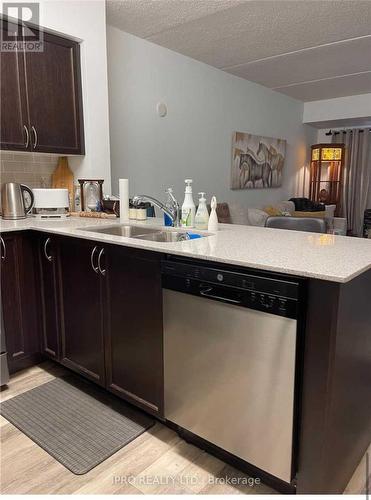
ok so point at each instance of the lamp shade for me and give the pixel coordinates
(326, 152)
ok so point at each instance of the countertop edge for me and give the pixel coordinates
(131, 243)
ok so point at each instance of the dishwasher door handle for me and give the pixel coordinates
(206, 292)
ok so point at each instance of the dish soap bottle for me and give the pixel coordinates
(213, 219)
(188, 207)
(168, 204)
(202, 215)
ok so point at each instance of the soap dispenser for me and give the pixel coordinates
(202, 215)
(188, 207)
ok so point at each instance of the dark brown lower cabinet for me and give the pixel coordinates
(19, 301)
(112, 319)
(99, 311)
(49, 295)
(82, 341)
(134, 341)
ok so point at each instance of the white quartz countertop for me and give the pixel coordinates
(321, 256)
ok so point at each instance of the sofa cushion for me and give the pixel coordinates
(257, 217)
(239, 214)
(286, 206)
(330, 210)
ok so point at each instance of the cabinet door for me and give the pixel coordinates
(14, 126)
(82, 318)
(47, 255)
(54, 96)
(19, 301)
(134, 340)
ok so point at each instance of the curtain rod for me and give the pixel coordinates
(337, 132)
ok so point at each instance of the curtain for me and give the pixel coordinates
(356, 176)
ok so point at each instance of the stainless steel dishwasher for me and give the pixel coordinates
(230, 353)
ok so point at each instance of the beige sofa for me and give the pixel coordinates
(257, 216)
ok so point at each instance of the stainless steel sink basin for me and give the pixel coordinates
(165, 236)
(122, 230)
(142, 233)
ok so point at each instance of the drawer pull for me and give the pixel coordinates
(95, 268)
(47, 256)
(3, 253)
(35, 136)
(27, 137)
(102, 271)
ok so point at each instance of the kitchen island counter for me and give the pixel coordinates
(321, 256)
(332, 379)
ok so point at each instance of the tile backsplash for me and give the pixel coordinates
(33, 169)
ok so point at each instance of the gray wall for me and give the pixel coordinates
(205, 107)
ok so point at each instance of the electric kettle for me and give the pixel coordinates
(13, 201)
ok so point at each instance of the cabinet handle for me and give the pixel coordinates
(35, 136)
(102, 271)
(3, 255)
(95, 268)
(49, 257)
(27, 136)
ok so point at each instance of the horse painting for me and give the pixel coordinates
(257, 162)
(275, 161)
(253, 170)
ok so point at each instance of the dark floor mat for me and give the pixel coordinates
(77, 423)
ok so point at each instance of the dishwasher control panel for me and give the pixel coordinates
(272, 295)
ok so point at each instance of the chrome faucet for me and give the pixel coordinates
(173, 212)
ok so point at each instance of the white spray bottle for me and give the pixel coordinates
(213, 219)
(188, 207)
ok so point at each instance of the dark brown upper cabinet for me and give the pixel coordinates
(14, 126)
(41, 98)
(54, 96)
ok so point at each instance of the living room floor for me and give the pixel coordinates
(158, 453)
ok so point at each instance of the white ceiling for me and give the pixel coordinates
(346, 123)
(307, 49)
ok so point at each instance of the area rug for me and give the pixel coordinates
(76, 422)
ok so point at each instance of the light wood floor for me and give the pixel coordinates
(158, 461)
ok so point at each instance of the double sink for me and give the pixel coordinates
(145, 233)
